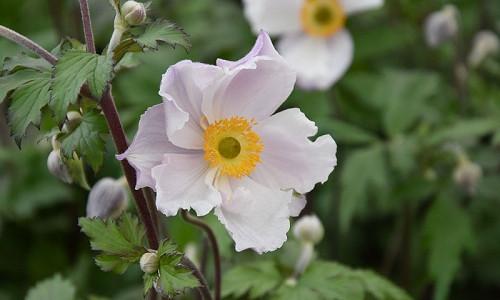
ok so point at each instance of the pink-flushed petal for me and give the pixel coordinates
(255, 216)
(297, 204)
(290, 160)
(263, 47)
(253, 87)
(182, 92)
(149, 145)
(184, 181)
(319, 62)
(355, 6)
(274, 16)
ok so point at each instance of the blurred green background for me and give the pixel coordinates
(399, 117)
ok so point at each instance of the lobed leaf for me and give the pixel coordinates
(71, 72)
(256, 280)
(121, 242)
(174, 277)
(86, 139)
(27, 103)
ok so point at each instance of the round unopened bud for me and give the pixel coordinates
(486, 43)
(441, 26)
(57, 167)
(134, 12)
(309, 229)
(107, 199)
(467, 175)
(149, 262)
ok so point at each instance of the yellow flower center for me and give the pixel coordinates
(232, 146)
(322, 18)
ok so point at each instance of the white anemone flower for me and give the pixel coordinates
(214, 144)
(314, 39)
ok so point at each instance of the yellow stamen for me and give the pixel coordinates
(322, 18)
(232, 146)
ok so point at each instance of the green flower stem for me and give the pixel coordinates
(215, 248)
(27, 43)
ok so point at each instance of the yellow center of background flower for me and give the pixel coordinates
(322, 18)
(232, 146)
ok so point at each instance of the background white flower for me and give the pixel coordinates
(314, 39)
(214, 143)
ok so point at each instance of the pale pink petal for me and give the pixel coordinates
(274, 16)
(184, 181)
(182, 92)
(319, 62)
(355, 6)
(297, 204)
(149, 145)
(263, 47)
(256, 217)
(253, 87)
(290, 160)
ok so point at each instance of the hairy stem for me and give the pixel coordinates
(87, 26)
(215, 249)
(27, 43)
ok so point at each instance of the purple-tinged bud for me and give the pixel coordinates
(57, 167)
(134, 13)
(441, 26)
(107, 199)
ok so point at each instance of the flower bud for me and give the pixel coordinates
(441, 26)
(467, 175)
(134, 12)
(73, 118)
(107, 199)
(309, 229)
(486, 43)
(57, 167)
(149, 262)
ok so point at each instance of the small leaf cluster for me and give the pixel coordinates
(172, 276)
(321, 280)
(121, 243)
(41, 95)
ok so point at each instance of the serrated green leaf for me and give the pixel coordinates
(121, 242)
(149, 280)
(86, 139)
(52, 288)
(27, 103)
(174, 277)
(380, 288)
(13, 81)
(448, 233)
(256, 279)
(167, 247)
(71, 72)
(364, 169)
(24, 61)
(113, 263)
(346, 133)
(163, 31)
(332, 281)
(464, 129)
